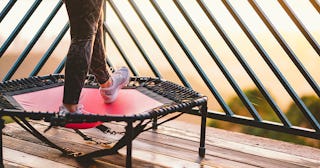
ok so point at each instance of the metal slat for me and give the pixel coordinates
(228, 116)
(26, 51)
(121, 51)
(266, 125)
(315, 4)
(221, 66)
(213, 90)
(53, 46)
(6, 9)
(135, 39)
(18, 28)
(60, 66)
(315, 124)
(245, 65)
(286, 47)
(300, 26)
(160, 45)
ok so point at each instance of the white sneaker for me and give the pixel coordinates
(63, 111)
(120, 78)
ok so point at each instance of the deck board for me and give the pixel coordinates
(174, 144)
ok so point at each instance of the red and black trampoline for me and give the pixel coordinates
(143, 101)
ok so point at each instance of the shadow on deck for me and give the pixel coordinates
(174, 144)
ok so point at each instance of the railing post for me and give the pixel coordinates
(1, 145)
(155, 123)
(203, 111)
(129, 133)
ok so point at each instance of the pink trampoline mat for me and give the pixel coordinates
(129, 101)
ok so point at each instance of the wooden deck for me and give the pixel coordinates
(174, 144)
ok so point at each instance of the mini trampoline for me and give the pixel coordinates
(142, 105)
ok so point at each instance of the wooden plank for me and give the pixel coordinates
(30, 160)
(241, 138)
(187, 149)
(267, 148)
(176, 154)
(176, 145)
(140, 151)
(8, 164)
(43, 152)
(73, 142)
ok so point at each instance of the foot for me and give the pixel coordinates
(63, 111)
(119, 78)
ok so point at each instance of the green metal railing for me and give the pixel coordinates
(159, 9)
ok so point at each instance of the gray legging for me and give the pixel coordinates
(86, 50)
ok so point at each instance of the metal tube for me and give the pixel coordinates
(129, 133)
(135, 39)
(245, 65)
(28, 48)
(273, 67)
(213, 90)
(217, 60)
(310, 133)
(203, 112)
(160, 45)
(315, 4)
(1, 140)
(18, 28)
(60, 66)
(300, 26)
(121, 51)
(286, 47)
(46, 56)
(6, 9)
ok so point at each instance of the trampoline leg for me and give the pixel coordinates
(1, 150)
(203, 111)
(155, 123)
(129, 132)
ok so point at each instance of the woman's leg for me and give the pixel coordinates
(84, 16)
(98, 61)
(109, 85)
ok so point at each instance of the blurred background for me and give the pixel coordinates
(299, 45)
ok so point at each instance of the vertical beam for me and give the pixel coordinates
(203, 112)
(1, 145)
(129, 133)
(155, 123)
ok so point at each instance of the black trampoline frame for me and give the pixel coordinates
(182, 99)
